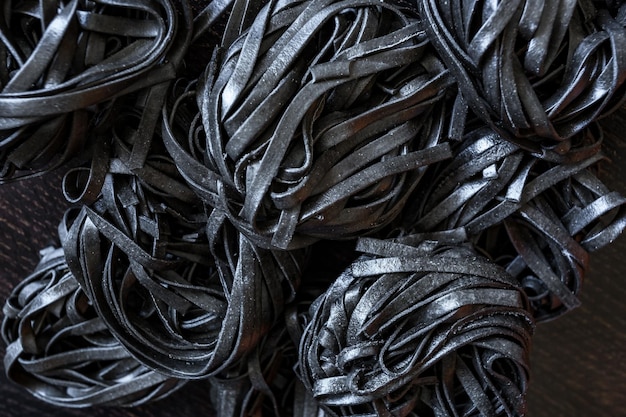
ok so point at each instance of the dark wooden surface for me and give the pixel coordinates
(578, 360)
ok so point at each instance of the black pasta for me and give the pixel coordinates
(553, 213)
(461, 134)
(479, 187)
(553, 235)
(420, 329)
(538, 72)
(62, 352)
(319, 120)
(187, 295)
(263, 381)
(61, 62)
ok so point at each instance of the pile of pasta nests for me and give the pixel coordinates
(338, 208)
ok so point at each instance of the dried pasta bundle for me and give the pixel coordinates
(63, 353)
(60, 61)
(537, 72)
(185, 294)
(555, 213)
(320, 118)
(419, 329)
